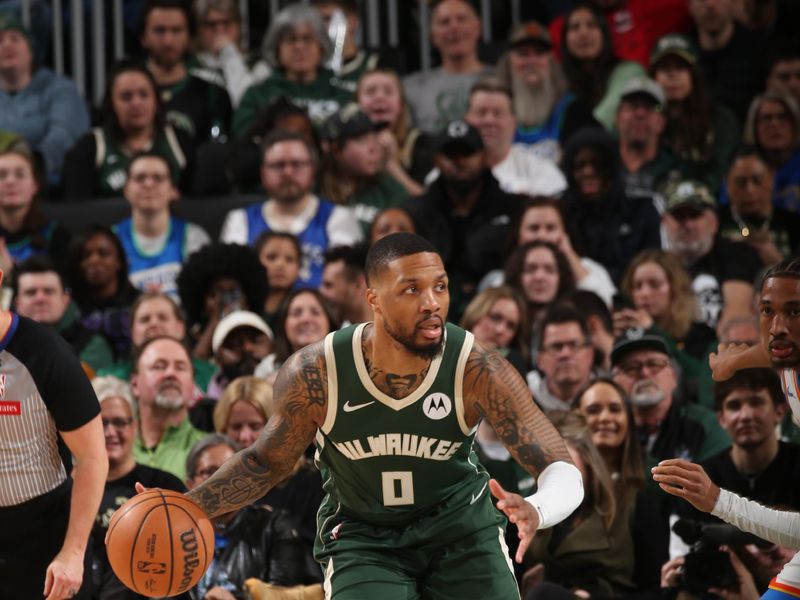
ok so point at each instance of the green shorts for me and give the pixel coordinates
(453, 553)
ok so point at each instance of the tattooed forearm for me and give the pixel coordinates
(299, 407)
(494, 390)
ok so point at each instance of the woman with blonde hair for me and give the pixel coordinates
(498, 318)
(243, 409)
(663, 303)
(606, 548)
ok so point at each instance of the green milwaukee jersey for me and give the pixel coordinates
(111, 159)
(387, 461)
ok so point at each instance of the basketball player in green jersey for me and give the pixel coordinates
(393, 406)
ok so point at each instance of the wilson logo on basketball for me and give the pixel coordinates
(190, 559)
(437, 406)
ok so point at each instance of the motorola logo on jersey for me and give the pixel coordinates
(437, 406)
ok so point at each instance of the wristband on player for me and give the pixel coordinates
(559, 493)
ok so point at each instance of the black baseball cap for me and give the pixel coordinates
(459, 137)
(635, 339)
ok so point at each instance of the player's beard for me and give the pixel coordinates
(429, 351)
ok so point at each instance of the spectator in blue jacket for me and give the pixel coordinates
(43, 107)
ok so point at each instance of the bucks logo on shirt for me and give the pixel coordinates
(387, 461)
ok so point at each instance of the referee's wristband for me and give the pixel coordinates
(559, 493)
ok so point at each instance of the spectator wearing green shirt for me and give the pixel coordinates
(162, 382)
(295, 47)
(352, 171)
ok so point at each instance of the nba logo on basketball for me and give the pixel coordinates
(437, 406)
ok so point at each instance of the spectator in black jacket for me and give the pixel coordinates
(464, 213)
(722, 271)
(604, 222)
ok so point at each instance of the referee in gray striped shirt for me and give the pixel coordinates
(53, 464)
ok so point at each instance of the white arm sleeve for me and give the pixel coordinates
(559, 493)
(776, 526)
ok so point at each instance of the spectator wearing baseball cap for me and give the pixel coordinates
(672, 425)
(464, 212)
(702, 134)
(241, 340)
(722, 271)
(45, 108)
(640, 124)
(547, 112)
(352, 172)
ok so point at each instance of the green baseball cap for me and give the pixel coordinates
(677, 45)
(689, 193)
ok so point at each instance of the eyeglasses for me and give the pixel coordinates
(156, 177)
(634, 367)
(117, 422)
(557, 347)
(205, 473)
(280, 165)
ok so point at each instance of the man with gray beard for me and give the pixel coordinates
(162, 381)
(722, 271)
(668, 425)
(547, 113)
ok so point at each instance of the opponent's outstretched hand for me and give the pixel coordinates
(726, 360)
(687, 480)
(519, 512)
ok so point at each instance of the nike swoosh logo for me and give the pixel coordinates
(479, 494)
(351, 407)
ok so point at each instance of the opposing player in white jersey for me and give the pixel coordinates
(779, 347)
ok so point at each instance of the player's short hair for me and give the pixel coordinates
(787, 268)
(392, 247)
(754, 380)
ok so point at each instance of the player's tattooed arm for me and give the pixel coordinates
(494, 390)
(299, 405)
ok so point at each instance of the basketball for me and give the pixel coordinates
(160, 543)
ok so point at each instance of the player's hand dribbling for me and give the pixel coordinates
(519, 512)
(64, 576)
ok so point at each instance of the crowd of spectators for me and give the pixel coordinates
(604, 189)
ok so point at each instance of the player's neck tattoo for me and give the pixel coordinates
(392, 384)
